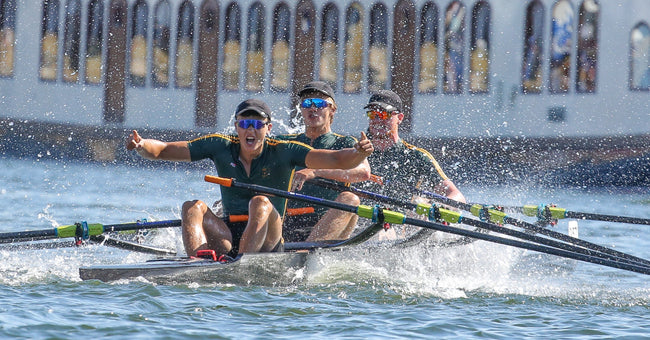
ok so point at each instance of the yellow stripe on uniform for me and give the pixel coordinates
(231, 138)
(273, 141)
(433, 160)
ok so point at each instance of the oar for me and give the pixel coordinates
(399, 218)
(82, 230)
(338, 186)
(496, 216)
(441, 214)
(361, 237)
(102, 240)
(547, 212)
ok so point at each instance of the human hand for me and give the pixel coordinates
(364, 146)
(300, 177)
(134, 141)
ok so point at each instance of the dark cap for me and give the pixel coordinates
(386, 99)
(255, 105)
(317, 86)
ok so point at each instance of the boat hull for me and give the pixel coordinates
(263, 268)
(270, 269)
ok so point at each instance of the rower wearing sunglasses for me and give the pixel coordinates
(306, 223)
(249, 157)
(399, 167)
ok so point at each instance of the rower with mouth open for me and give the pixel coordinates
(248, 157)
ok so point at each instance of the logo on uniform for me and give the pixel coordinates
(266, 172)
(232, 164)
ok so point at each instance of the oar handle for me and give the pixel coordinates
(226, 182)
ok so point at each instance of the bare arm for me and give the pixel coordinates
(449, 190)
(158, 150)
(359, 173)
(340, 159)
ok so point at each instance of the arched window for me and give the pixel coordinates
(640, 57)
(232, 48)
(329, 45)
(255, 48)
(71, 41)
(94, 42)
(49, 40)
(185, 45)
(531, 69)
(428, 81)
(161, 38)
(479, 58)
(7, 37)
(280, 52)
(454, 46)
(138, 50)
(378, 64)
(587, 57)
(353, 48)
(561, 45)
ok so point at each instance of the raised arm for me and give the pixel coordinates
(158, 150)
(340, 159)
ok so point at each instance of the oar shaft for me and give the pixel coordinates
(401, 219)
(546, 211)
(497, 216)
(363, 193)
(597, 251)
(92, 230)
(574, 240)
(589, 249)
(529, 246)
(29, 235)
(141, 225)
(281, 193)
(607, 218)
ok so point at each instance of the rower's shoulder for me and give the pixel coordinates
(217, 137)
(273, 141)
(346, 137)
(416, 150)
(342, 141)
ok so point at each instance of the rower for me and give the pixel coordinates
(318, 107)
(249, 157)
(399, 168)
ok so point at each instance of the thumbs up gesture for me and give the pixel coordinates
(134, 141)
(364, 146)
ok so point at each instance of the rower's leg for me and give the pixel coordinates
(264, 228)
(202, 229)
(336, 224)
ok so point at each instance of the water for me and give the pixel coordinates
(478, 291)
